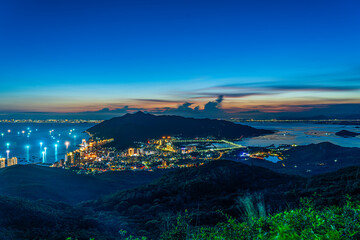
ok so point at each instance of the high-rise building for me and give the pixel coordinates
(131, 152)
(84, 143)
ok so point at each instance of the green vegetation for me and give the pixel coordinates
(305, 222)
(219, 189)
(216, 199)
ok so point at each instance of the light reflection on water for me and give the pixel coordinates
(22, 135)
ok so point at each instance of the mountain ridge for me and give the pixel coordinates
(140, 127)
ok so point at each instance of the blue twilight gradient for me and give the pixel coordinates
(64, 51)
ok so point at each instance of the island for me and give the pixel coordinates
(140, 127)
(345, 133)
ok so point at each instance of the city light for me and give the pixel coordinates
(67, 145)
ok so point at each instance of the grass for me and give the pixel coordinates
(305, 222)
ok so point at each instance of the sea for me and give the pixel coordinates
(43, 143)
(301, 133)
(27, 141)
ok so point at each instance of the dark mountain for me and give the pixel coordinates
(202, 191)
(131, 128)
(24, 219)
(346, 133)
(36, 182)
(210, 191)
(313, 159)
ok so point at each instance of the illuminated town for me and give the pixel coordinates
(165, 153)
(49, 121)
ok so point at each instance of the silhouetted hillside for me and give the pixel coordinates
(313, 159)
(219, 185)
(23, 219)
(202, 191)
(140, 126)
(346, 133)
(206, 192)
(36, 182)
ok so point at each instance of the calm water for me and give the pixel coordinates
(301, 134)
(24, 140)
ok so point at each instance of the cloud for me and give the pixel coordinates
(314, 88)
(214, 106)
(156, 100)
(211, 109)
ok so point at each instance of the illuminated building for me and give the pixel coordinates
(131, 152)
(2, 162)
(11, 161)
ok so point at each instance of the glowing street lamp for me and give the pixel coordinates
(67, 145)
(7, 145)
(7, 154)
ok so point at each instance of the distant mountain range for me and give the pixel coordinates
(140, 127)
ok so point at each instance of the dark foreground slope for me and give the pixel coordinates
(221, 185)
(36, 182)
(24, 219)
(151, 209)
(313, 159)
(202, 191)
(141, 127)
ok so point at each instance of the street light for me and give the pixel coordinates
(67, 145)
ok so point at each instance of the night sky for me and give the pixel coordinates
(162, 56)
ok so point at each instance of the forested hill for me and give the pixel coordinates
(140, 127)
(212, 191)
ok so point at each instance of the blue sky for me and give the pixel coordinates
(70, 56)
